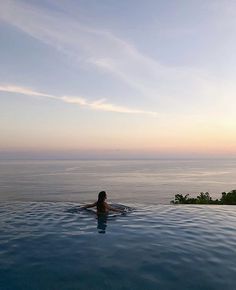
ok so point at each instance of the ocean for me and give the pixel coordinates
(47, 242)
(141, 181)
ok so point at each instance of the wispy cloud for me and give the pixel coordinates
(109, 53)
(100, 104)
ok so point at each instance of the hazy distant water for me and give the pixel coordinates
(142, 181)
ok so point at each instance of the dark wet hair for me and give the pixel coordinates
(100, 203)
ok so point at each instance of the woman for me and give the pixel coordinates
(102, 206)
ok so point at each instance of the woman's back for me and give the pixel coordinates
(102, 207)
(101, 204)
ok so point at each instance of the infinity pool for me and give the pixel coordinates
(53, 246)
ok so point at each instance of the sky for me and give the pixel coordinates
(117, 79)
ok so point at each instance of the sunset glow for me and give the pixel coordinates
(84, 79)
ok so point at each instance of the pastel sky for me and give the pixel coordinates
(118, 79)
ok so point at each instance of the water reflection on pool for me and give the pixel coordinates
(51, 246)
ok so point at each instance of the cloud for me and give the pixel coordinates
(22, 91)
(169, 88)
(108, 53)
(100, 104)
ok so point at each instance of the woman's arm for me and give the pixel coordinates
(90, 205)
(113, 209)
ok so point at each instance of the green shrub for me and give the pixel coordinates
(205, 198)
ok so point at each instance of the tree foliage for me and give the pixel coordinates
(205, 198)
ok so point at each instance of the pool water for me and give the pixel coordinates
(46, 245)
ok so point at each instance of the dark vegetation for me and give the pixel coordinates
(205, 198)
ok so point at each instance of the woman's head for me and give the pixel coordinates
(102, 196)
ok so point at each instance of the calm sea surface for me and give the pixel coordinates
(130, 181)
(48, 243)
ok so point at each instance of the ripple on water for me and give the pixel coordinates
(49, 246)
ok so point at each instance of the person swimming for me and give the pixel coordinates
(102, 206)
